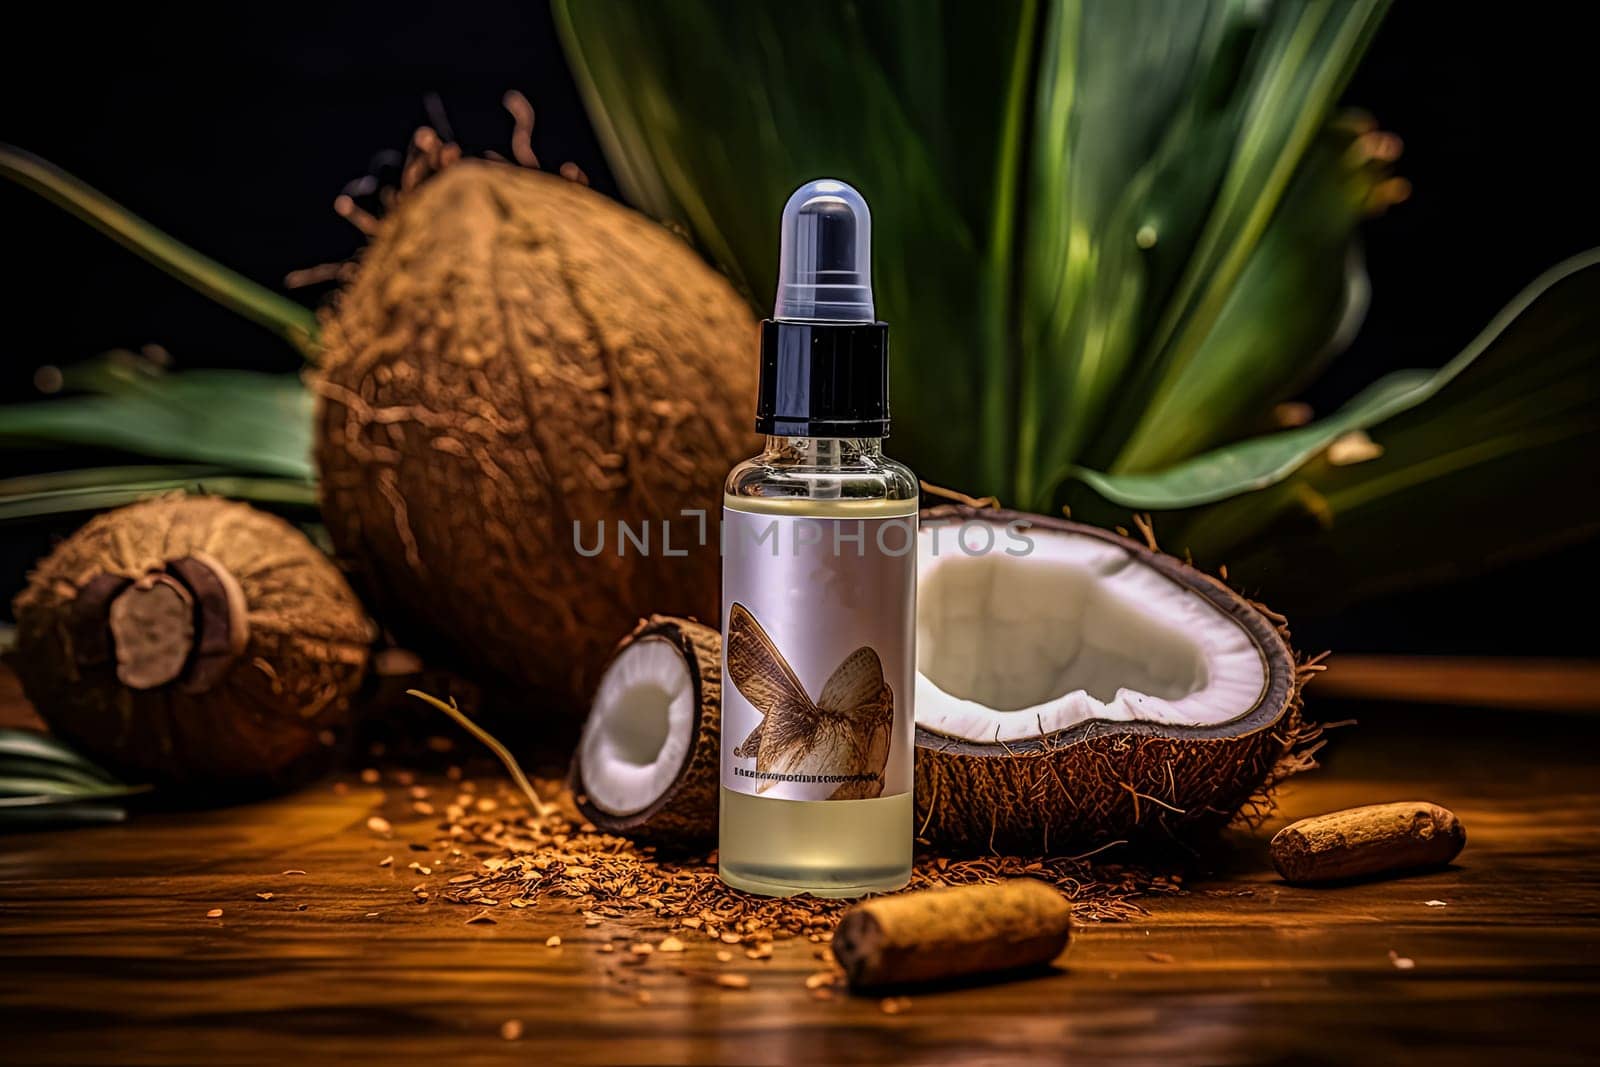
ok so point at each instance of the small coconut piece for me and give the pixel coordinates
(192, 642)
(648, 764)
(1076, 687)
(934, 934)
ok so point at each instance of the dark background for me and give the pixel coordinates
(234, 130)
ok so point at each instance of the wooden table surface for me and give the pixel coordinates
(109, 957)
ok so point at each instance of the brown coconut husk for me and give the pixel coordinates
(192, 642)
(515, 355)
(1102, 782)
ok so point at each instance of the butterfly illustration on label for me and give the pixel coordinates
(844, 732)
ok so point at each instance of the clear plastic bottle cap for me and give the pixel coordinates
(825, 265)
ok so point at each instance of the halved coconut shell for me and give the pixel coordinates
(649, 762)
(1076, 687)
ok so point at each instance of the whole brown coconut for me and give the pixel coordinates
(519, 361)
(192, 642)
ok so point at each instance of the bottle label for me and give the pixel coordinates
(818, 625)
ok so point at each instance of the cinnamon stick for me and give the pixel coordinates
(1366, 841)
(935, 934)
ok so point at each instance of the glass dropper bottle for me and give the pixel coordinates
(819, 585)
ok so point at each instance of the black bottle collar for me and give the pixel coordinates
(824, 379)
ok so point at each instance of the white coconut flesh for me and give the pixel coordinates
(1017, 647)
(640, 727)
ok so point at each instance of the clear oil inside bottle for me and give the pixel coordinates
(832, 848)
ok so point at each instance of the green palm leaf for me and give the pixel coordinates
(296, 324)
(1531, 339)
(245, 421)
(1494, 465)
(45, 783)
(102, 488)
(1069, 195)
(713, 111)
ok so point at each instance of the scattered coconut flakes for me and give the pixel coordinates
(1401, 963)
(820, 979)
(387, 861)
(553, 941)
(559, 857)
(370, 776)
(669, 944)
(894, 1005)
(760, 952)
(481, 917)
(724, 956)
(1437, 903)
(379, 825)
(1159, 957)
(294, 870)
(264, 896)
(511, 1030)
(214, 913)
(733, 981)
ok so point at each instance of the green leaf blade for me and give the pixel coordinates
(246, 421)
(294, 323)
(1551, 304)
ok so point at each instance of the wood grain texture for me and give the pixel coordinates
(1521, 682)
(109, 956)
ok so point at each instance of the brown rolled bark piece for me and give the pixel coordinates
(934, 934)
(1366, 841)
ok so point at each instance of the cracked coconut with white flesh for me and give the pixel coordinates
(648, 763)
(1093, 691)
(1010, 648)
(1089, 689)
